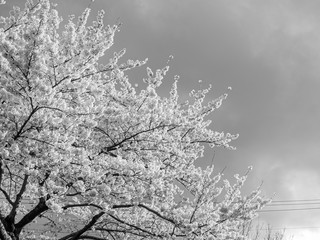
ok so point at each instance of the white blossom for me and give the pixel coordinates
(79, 141)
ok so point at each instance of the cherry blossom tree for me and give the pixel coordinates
(83, 155)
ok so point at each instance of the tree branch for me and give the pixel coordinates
(6, 195)
(29, 217)
(82, 205)
(115, 145)
(20, 131)
(147, 208)
(16, 203)
(90, 237)
(1, 189)
(3, 233)
(135, 227)
(76, 235)
(10, 219)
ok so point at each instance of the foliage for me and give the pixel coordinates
(84, 156)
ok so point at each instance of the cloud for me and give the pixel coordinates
(289, 180)
(147, 9)
(303, 234)
(299, 182)
(152, 13)
(281, 32)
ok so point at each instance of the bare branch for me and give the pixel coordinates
(16, 203)
(147, 208)
(82, 205)
(34, 213)
(76, 235)
(3, 233)
(20, 131)
(135, 227)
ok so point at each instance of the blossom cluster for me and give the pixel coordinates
(95, 156)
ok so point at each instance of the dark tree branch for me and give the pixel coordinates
(90, 237)
(19, 197)
(6, 195)
(34, 213)
(20, 131)
(124, 231)
(82, 205)
(135, 227)
(116, 145)
(1, 170)
(147, 208)
(3, 233)
(76, 235)
(10, 219)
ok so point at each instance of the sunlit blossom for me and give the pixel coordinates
(80, 142)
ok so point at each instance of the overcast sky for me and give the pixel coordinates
(269, 53)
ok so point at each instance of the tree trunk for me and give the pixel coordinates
(3, 233)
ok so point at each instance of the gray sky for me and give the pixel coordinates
(269, 53)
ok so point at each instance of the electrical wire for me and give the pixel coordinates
(287, 210)
(295, 228)
(296, 200)
(275, 204)
(291, 204)
(262, 229)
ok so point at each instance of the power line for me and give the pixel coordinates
(301, 203)
(291, 204)
(296, 228)
(287, 228)
(274, 201)
(262, 229)
(296, 200)
(287, 210)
